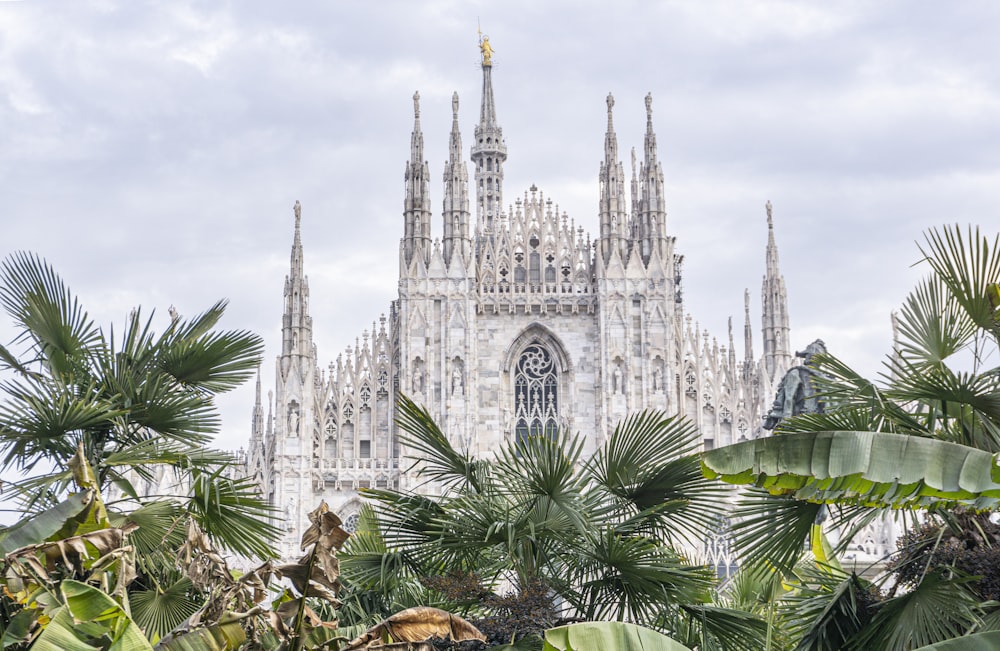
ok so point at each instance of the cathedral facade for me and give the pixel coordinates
(508, 321)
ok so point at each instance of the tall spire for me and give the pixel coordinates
(297, 264)
(652, 205)
(296, 328)
(489, 150)
(774, 305)
(612, 187)
(417, 204)
(732, 347)
(747, 329)
(258, 409)
(257, 423)
(456, 194)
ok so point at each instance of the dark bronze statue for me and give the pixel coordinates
(797, 392)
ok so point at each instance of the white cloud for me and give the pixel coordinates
(153, 152)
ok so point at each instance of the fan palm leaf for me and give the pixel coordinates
(967, 265)
(53, 324)
(937, 609)
(439, 461)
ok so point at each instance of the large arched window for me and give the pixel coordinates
(536, 393)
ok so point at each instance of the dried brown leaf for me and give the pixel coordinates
(418, 625)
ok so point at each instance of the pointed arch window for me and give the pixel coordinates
(536, 393)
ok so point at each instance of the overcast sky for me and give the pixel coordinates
(152, 152)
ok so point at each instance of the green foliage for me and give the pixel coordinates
(132, 398)
(937, 609)
(101, 409)
(597, 533)
(829, 609)
(924, 437)
(88, 619)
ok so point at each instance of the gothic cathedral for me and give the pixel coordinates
(514, 324)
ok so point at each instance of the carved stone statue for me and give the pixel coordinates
(796, 392)
(293, 421)
(418, 379)
(616, 381)
(456, 382)
(298, 213)
(657, 380)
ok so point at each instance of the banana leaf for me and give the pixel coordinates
(609, 636)
(988, 641)
(876, 469)
(87, 621)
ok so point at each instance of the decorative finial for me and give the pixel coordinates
(454, 105)
(746, 300)
(298, 213)
(611, 103)
(416, 104)
(487, 50)
(649, 107)
(767, 207)
(174, 315)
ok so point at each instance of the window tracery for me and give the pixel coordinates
(536, 393)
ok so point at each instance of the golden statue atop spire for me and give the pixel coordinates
(486, 48)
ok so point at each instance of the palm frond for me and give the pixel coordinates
(53, 322)
(939, 608)
(44, 420)
(637, 446)
(233, 513)
(828, 609)
(932, 324)
(438, 459)
(966, 265)
(633, 578)
(772, 530)
(214, 362)
(725, 629)
(160, 526)
(842, 388)
(160, 610)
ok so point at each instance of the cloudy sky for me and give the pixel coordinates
(153, 151)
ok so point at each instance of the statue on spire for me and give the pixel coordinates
(298, 213)
(487, 50)
(649, 107)
(416, 104)
(767, 206)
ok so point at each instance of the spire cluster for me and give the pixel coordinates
(641, 228)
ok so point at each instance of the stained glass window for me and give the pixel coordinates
(536, 393)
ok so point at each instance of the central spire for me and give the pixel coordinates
(489, 150)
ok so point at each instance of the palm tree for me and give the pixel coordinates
(922, 439)
(600, 537)
(129, 401)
